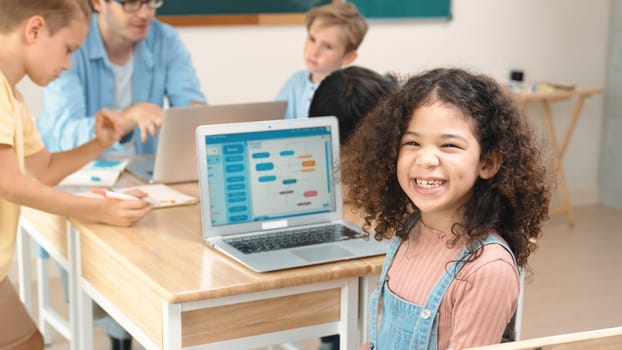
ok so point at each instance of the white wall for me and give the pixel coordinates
(552, 40)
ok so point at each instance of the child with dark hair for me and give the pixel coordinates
(349, 94)
(450, 170)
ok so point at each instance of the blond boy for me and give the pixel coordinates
(37, 39)
(334, 34)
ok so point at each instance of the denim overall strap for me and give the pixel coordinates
(493, 239)
(428, 318)
(375, 296)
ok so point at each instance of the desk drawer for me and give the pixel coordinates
(261, 316)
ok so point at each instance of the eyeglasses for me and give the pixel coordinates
(134, 5)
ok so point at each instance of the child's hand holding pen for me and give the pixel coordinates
(134, 194)
(108, 194)
(123, 209)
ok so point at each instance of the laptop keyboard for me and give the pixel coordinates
(292, 238)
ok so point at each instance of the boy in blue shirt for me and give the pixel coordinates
(334, 33)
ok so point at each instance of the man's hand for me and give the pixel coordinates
(147, 116)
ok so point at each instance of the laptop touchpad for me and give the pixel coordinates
(328, 252)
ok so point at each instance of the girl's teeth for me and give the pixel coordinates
(429, 183)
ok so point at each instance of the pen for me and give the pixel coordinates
(113, 195)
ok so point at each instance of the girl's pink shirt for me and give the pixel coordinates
(477, 305)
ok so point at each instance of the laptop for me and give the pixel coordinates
(269, 195)
(175, 157)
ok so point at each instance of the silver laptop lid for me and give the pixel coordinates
(175, 157)
(267, 175)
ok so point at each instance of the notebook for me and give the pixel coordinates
(99, 172)
(161, 195)
(175, 158)
(262, 180)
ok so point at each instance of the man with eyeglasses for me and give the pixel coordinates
(129, 64)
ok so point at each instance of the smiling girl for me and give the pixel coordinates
(449, 169)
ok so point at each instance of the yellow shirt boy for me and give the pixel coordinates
(18, 130)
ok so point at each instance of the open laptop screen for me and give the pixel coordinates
(270, 174)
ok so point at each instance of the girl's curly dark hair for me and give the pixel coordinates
(513, 203)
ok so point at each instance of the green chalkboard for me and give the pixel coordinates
(236, 7)
(232, 12)
(404, 8)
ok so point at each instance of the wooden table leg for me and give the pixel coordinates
(571, 126)
(558, 153)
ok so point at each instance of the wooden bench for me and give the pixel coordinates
(601, 339)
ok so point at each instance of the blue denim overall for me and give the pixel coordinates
(407, 326)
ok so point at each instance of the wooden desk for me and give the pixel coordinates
(50, 233)
(170, 291)
(559, 149)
